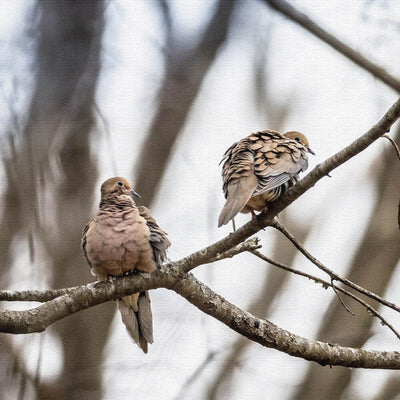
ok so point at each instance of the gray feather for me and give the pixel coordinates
(145, 317)
(239, 193)
(130, 321)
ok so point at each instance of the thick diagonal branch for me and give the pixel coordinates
(321, 170)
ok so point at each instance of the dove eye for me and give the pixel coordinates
(297, 139)
(120, 183)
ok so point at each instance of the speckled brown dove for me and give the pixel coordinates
(120, 239)
(259, 168)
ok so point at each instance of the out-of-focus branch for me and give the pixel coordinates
(258, 330)
(391, 388)
(54, 164)
(185, 72)
(307, 23)
(182, 392)
(326, 284)
(17, 371)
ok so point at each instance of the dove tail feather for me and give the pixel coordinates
(232, 207)
(136, 315)
(239, 193)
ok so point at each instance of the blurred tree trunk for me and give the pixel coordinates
(76, 43)
(52, 177)
(372, 268)
(185, 72)
(391, 388)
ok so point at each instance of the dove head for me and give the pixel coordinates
(299, 137)
(116, 186)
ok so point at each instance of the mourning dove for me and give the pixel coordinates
(259, 168)
(120, 239)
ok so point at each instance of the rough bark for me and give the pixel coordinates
(258, 330)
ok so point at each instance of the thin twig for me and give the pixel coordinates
(340, 299)
(326, 284)
(248, 245)
(332, 274)
(394, 144)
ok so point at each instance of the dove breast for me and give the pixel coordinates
(119, 241)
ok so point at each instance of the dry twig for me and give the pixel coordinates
(331, 273)
(326, 284)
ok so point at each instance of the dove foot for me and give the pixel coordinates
(130, 272)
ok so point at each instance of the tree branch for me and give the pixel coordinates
(47, 295)
(174, 276)
(40, 296)
(331, 273)
(267, 334)
(261, 331)
(264, 219)
(307, 23)
(326, 284)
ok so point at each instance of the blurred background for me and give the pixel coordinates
(156, 91)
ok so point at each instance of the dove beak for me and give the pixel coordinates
(310, 151)
(135, 194)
